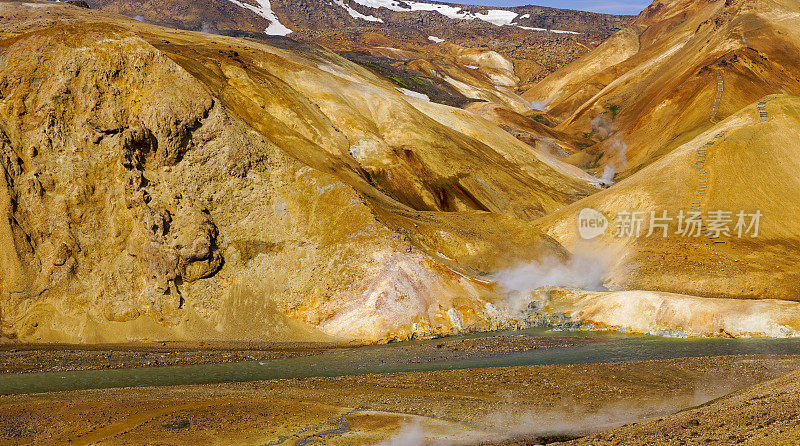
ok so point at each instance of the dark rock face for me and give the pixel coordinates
(78, 3)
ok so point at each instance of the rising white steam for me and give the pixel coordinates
(601, 127)
(539, 105)
(584, 271)
(608, 175)
(409, 435)
(618, 151)
(209, 28)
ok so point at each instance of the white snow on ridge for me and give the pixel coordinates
(355, 14)
(414, 94)
(376, 4)
(264, 9)
(557, 31)
(498, 16)
(531, 29)
(445, 10)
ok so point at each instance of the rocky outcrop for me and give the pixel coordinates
(172, 185)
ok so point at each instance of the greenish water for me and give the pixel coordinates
(591, 347)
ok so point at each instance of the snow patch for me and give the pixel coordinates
(557, 31)
(264, 9)
(435, 39)
(531, 28)
(497, 17)
(355, 14)
(414, 94)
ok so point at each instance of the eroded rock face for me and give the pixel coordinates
(81, 170)
(161, 185)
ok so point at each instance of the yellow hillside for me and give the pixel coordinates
(748, 162)
(164, 184)
(679, 68)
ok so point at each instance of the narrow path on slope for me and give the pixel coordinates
(702, 171)
(762, 109)
(720, 90)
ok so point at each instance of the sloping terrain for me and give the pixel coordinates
(765, 414)
(744, 166)
(171, 184)
(674, 72)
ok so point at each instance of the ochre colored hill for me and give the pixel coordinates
(674, 72)
(748, 162)
(165, 184)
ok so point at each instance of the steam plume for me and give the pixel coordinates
(585, 271)
(539, 105)
(619, 153)
(409, 435)
(209, 28)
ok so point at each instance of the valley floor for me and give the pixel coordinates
(32, 358)
(504, 405)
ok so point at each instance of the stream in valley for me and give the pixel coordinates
(495, 349)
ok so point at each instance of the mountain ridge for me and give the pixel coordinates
(524, 36)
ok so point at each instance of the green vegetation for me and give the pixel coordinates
(399, 74)
(541, 120)
(594, 164)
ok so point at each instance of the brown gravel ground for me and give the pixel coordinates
(528, 404)
(27, 358)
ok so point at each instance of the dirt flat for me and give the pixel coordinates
(767, 414)
(31, 358)
(482, 406)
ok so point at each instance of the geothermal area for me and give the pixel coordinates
(390, 222)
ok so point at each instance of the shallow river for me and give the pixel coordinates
(424, 355)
